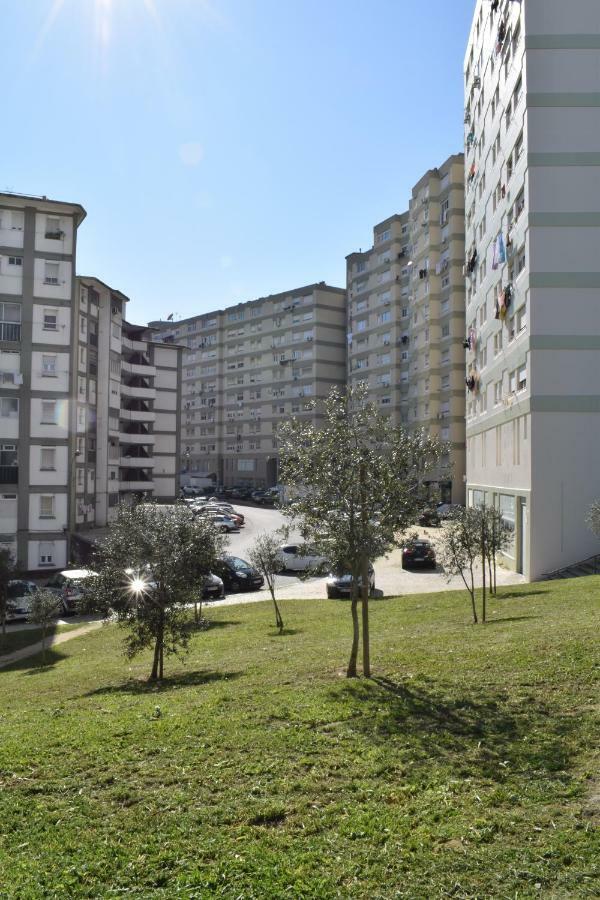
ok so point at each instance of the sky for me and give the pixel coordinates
(227, 149)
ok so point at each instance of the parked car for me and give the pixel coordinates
(339, 585)
(20, 595)
(238, 575)
(257, 495)
(300, 557)
(223, 523)
(429, 518)
(420, 553)
(214, 589)
(70, 587)
(447, 510)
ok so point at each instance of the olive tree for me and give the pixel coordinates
(149, 570)
(359, 482)
(7, 573)
(264, 555)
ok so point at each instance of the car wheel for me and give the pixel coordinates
(223, 529)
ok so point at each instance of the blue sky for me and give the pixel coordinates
(227, 149)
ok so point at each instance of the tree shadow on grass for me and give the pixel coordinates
(515, 595)
(505, 619)
(287, 632)
(478, 732)
(32, 665)
(180, 679)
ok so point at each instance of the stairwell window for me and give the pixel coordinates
(46, 553)
(9, 408)
(47, 506)
(50, 320)
(522, 378)
(51, 273)
(53, 231)
(48, 412)
(49, 366)
(48, 459)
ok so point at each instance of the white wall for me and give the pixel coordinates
(164, 465)
(59, 476)
(59, 556)
(11, 277)
(60, 430)
(165, 487)
(58, 382)
(165, 357)
(62, 335)
(60, 291)
(12, 223)
(166, 378)
(59, 520)
(166, 400)
(165, 421)
(165, 443)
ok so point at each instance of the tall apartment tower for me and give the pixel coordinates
(532, 132)
(406, 324)
(37, 293)
(250, 367)
(126, 408)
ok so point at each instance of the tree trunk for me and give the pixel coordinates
(351, 670)
(154, 672)
(4, 623)
(160, 664)
(43, 645)
(472, 593)
(365, 619)
(278, 617)
(483, 561)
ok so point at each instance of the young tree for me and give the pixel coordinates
(7, 573)
(459, 548)
(360, 482)
(45, 607)
(264, 555)
(498, 539)
(149, 569)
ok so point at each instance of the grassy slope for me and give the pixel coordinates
(468, 769)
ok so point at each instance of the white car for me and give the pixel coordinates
(70, 586)
(223, 523)
(300, 558)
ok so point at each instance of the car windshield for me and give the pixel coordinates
(237, 563)
(18, 589)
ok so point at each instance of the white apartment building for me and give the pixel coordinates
(249, 367)
(37, 288)
(406, 317)
(532, 129)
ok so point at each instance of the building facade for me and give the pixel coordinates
(406, 320)
(532, 131)
(249, 367)
(37, 293)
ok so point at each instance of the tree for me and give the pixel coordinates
(45, 606)
(149, 569)
(264, 555)
(360, 483)
(7, 573)
(474, 536)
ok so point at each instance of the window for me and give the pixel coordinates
(15, 261)
(48, 459)
(10, 322)
(83, 326)
(9, 408)
(497, 343)
(49, 366)
(521, 318)
(46, 506)
(48, 412)
(445, 330)
(50, 320)
(498, 392)
(522, 378)
(46, 553)
(51, 271)
(53, 231)
(520, 260)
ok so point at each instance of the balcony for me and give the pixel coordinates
(145, 439)
(9, 474)
(128, 344)
(143, 369)
(10, 331)
(137, 462)
(140, 393)
(137, 415)
(136, 485)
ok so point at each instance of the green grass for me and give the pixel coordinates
(14, 640)
(468, 767)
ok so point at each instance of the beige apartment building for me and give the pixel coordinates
(248, 368)
(406, 319)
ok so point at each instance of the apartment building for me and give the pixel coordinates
(126, 411)
(406, 324)
(532, 130)
(249, 367)
(37, 289)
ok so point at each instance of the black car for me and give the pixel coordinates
(418, 553)
(238, 575)
(339, 585)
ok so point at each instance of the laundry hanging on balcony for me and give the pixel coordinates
(472, 172)
(472, 380)
(472, 261)
(470, 342)
(499, 255)
(503, 301)
(500, 38)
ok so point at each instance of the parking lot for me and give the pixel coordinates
(390, 578)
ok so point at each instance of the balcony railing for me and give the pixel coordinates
(54, 235)
(9, 474)
(10, 331)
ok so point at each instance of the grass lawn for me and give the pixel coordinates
(467, 768)
(14, 640)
